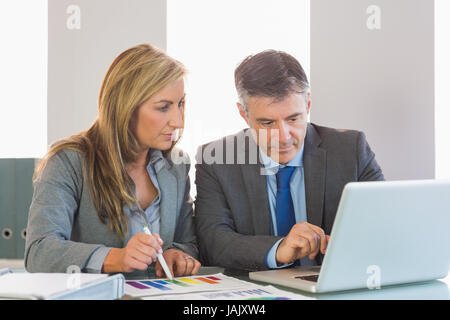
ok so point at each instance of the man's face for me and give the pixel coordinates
(280, 125)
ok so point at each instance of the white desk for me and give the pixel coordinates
(432, 290)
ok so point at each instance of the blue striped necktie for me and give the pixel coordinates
(285, 207)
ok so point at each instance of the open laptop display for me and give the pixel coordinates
(385, 233)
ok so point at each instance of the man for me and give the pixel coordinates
(267, 196)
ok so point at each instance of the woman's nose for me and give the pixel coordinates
(176, 120)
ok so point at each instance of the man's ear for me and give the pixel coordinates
(309, 103)
(242, 112)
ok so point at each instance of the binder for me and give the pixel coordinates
(60, 286)
(16, 193)
(7, 209)
(24, 169)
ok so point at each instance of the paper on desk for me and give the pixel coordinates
(181, 285)
(43, 285)
(255, 293)
(4, 271)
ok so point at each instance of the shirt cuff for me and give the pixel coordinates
(271, 260)
(95, 261)
(186, 248)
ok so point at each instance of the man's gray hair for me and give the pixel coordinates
(269, 74)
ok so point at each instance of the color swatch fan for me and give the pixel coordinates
(181, 285)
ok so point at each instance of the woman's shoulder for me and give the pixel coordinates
(64, 164)
(179, 160)
(68, 158)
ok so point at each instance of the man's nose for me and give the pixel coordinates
(284, 133)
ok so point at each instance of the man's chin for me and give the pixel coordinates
(284, 157)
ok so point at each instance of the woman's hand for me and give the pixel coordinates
(140, 251)
(179, 263)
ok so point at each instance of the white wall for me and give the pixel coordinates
(378, 80)
(23, 78)
(85, 36)
(211, 38)
(442, 79)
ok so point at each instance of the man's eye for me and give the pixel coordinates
(293, 119)
(181, 104)
(267, 123)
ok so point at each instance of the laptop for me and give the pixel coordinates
(385, 233)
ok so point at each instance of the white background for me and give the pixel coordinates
(213, 40)
(210, 38)
(442, 76)
(23, 78)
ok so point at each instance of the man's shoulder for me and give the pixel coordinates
(328, 132)
(237, 148)
(328, 136)
(242, 134)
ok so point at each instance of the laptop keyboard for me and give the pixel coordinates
(313, 278)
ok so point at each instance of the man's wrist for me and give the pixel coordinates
(278, 256)
(280, 261)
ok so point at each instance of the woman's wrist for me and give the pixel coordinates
(112, 261)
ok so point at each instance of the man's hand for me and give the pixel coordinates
(303, 240)
(179, 263)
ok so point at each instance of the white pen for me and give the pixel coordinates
(160, 258)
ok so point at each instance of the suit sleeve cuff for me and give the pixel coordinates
(95, 261)
(188, 248)
(271, 260)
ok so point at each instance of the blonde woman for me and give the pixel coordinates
(94, 192)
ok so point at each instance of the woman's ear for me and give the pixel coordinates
(133, 121)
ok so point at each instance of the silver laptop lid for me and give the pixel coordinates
(388, 233)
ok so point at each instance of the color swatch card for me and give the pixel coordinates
(181, 285)
(254, 293)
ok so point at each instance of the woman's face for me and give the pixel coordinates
(160, 117)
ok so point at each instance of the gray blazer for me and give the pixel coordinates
(233, 220)
(63, 225)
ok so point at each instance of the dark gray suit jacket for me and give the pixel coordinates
(232, 215)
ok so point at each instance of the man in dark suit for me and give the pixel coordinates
(267, 196)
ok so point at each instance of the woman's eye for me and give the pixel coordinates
(164, 108)
(181, 104)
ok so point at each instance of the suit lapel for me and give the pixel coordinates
(314, 159)
(256, 187)
(168, 206)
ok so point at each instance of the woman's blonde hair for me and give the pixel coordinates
(109, 144)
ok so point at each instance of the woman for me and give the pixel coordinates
(95, 192)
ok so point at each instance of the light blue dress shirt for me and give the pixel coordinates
(297, 187)
(135, 215)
